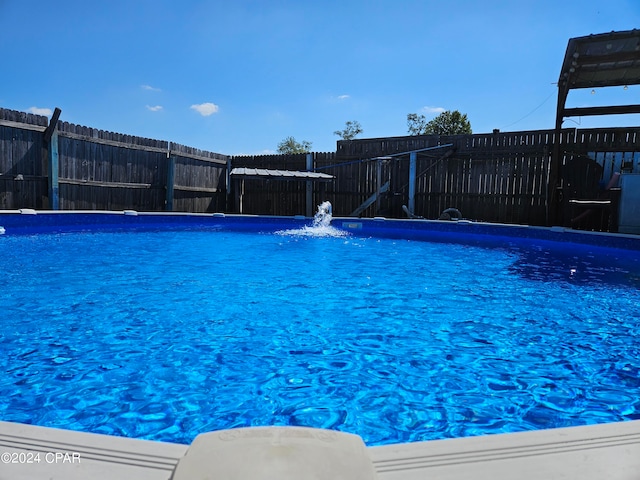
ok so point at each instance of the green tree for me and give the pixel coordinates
(416, 124)
(447, 123)
(289, 146)
(351, 130)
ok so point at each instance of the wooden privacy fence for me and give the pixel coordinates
(353, 184)
(85, 168)
(497, 177)
(487, 177)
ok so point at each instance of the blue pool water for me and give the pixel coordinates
(167, 334)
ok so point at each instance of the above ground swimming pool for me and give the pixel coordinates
(163, 327)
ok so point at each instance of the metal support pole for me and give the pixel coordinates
(309, 191)
(413, 160)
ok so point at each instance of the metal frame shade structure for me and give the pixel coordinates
(265, 174)
(602, 60)
(243, 173)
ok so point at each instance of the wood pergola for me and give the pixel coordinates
(603, 60)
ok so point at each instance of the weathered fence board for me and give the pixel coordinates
(103, 170)
(199, 179)
(23, 181)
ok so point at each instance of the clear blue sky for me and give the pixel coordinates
(238, 76)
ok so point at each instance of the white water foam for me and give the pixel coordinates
(321, 226)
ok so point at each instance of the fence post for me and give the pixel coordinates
(53, 160)
(50, 137)
(171, 177)
(309, 202)
(378, 184)
(239, 196)
(413, 157)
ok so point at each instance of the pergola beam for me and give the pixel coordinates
(611, 110)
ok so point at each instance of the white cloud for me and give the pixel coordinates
(266, 151)
(205, 109)
(433, 110)
(343, 97)
(150, 88)
(156, 108)
(40, 111)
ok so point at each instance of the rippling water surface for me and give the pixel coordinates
(165, 335)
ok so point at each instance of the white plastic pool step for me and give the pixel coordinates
(278, 453)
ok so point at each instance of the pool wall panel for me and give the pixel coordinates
(32, 222)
